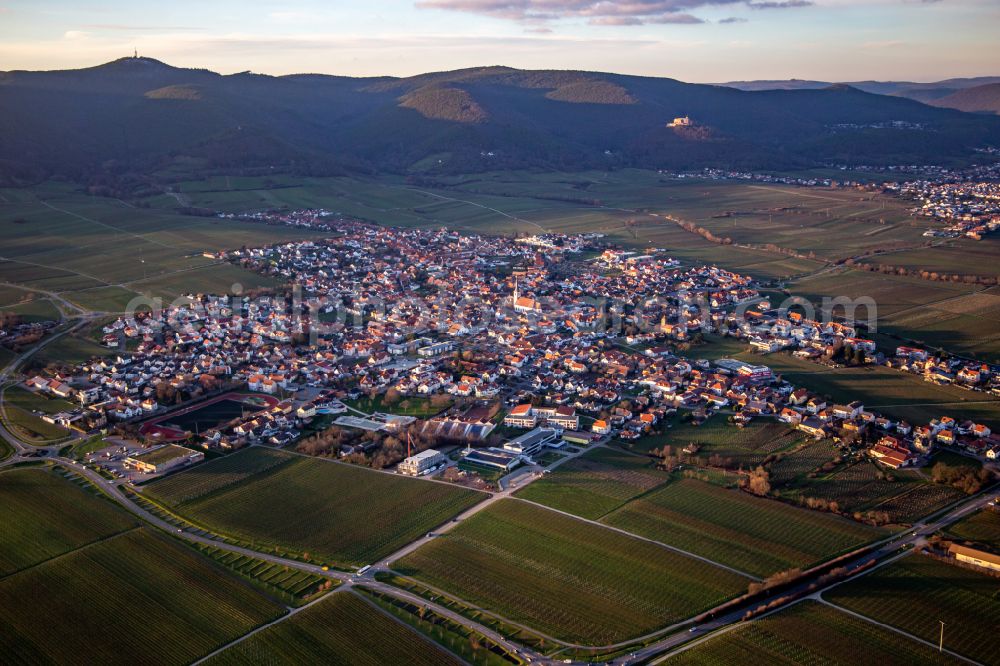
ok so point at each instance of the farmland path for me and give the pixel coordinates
(479, 205)
(679, 551)
(895, 630)
(104, 224)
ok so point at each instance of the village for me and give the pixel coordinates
(557, 336)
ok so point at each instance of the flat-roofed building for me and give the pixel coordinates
(163, 459)
(421, 462)
(975, 556)
(531, 442)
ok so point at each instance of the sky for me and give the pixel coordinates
(691, 40)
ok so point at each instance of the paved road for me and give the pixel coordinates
(888, 552)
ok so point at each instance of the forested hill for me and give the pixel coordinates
(141, 115)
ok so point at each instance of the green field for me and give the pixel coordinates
(752, 534)
(30, 428)
(954, 316)
(595, 483)
(314, 509)
(100, 253)
(114, 599)
(905, 495)
(341, 629)
(747, 446)
(46, 515)
(982, 527)
(570, 579)
(810, 633)
(917, 592)
(884, 390)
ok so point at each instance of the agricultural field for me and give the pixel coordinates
(954, 316)
(100, 252)
(518, 560)
(810, 633)
(884, 390)
(342, 628)
(31, 428)
(616, 204)
(315, 509)
(747, 446)
(905, 495)
(595, 483)
(138, 584)
(917, 592)
(752, 534)
(47, 515)
(983, 527)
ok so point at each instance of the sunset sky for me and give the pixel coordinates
(693, 40)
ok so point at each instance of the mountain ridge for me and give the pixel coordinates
(142, 115)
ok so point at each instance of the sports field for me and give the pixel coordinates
(315, 509)
(520, 560)
(917, 593)
(595, 483)
(114, 599)
(46, 515)
(752, 534)
(810, 633)
(341, 629)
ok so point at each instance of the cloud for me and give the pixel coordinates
(732, 19)
(75, 34)
(600, 12)
(782, 4)
(123, 27)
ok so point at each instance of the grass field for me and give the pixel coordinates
(752, 534)
(982, 527)
(570, 579)
(810, 633)
(917, 592)
(31, 428)
(114, 599)
(46, 515)
(343, 628)
(595, 483)
(307, 506)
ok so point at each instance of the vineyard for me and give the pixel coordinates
(140, 585)
(46, 515)
(982, 527)
(916, 593)
(795, 465)
(340, 629)
(810, 633)
(752, 534)
(863, 486)
(313, 509)
(595, 483)
(745, 446)
(520, 560)
(283, 582)
(217, 475)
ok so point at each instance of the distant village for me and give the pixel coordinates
(561, 337)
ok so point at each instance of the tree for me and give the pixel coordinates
(759, 482)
